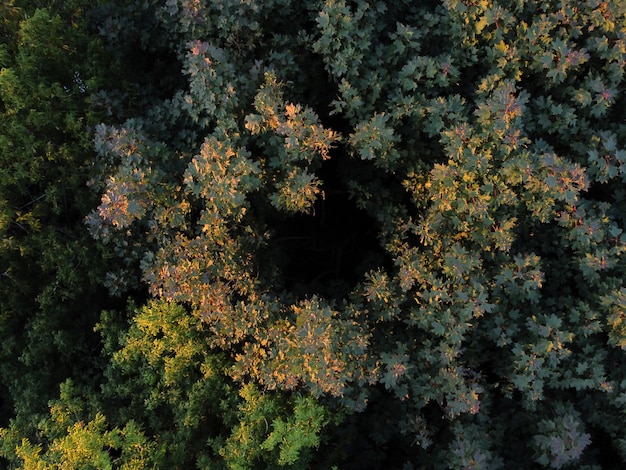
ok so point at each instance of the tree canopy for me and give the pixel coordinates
(327, 234)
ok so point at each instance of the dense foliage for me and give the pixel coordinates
(326, 234)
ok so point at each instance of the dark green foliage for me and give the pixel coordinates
(374, 234)
(50, 271)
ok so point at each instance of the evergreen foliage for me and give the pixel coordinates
(326, 234)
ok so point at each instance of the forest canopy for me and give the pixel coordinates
(348, 234)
